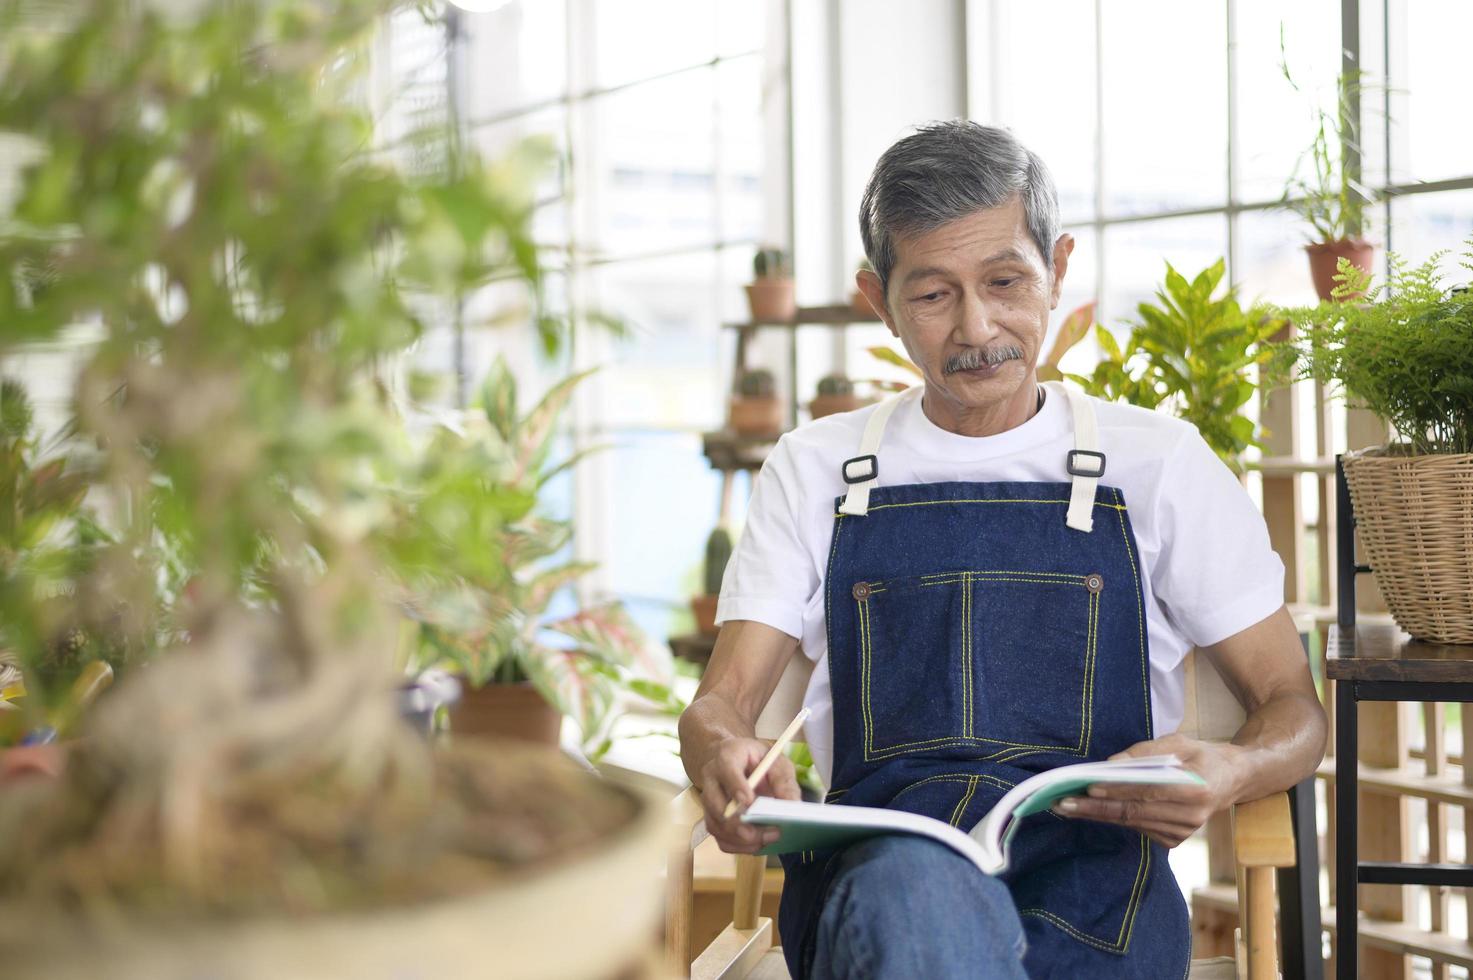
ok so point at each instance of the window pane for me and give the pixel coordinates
(636, 39)
(1049, 103)
(655, 160)
(550, 224)
(1435, 54)
(661, 500)
(1081, 283)
(742, 25)
(1136, 255)
(1426, 223)
(740, 88)
(1276, 122)
(1273, 265)
(665, 373)
(517, 56)
(1165, 98)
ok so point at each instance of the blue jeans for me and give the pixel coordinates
(903, 907)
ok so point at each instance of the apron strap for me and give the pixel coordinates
(863, 471)
(1085, 463)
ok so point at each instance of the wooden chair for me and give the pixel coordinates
(1263, 840)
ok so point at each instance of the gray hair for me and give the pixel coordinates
(948, 170)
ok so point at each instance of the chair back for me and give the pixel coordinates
(787, 698)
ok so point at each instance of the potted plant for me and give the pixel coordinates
(250, 804)
(1405, 352)
(835, 394)
(755, 409)
(703, 607)
(1325, 188)
(771, 294)
(521, 670)
(859, 304)
(1193, 353)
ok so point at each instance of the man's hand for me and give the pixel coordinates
(1167, 814)
(724, 778)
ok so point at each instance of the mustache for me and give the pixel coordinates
(976, 357)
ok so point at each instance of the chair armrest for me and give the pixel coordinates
(688, 818)
(1263, 839)
(1263, 834)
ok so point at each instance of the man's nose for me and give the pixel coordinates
(976, 321)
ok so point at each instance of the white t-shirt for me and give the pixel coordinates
(1203, 547)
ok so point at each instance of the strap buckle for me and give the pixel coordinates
(872, 473)
(1074, 468)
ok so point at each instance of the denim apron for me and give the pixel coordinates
(979, 633)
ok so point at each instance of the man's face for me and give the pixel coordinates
(970, 301)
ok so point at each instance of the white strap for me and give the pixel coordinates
(856, 501)
(1086, 440)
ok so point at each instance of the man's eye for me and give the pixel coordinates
(929, 297)
(1005, 282)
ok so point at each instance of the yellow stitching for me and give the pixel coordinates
(961, 807)
(1086, 722)
(834, 794)
(828, 617)
(954, 777)
(869, 721)
(1091, 649)
(1012, 500)
(1139, 625)
(1127, 923)
(966, 656)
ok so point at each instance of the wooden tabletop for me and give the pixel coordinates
(1375, 652)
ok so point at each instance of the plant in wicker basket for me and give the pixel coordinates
(1406, 353)
(201, 193)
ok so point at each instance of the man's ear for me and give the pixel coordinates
(1063, 248)
(869, 284)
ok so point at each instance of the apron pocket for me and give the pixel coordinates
(997, 660)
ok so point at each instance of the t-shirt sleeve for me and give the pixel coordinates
(770, 576)
(1216, 574)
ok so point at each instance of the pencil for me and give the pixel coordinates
(767, 760)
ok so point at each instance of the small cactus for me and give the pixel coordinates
(771, 263)
(718, 553)
(835, 384)
(757, 383)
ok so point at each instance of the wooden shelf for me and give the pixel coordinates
(1292, 465)
(729, 451)
(695, 647)
(1410, 781)
(1398, 937)
(829, 316)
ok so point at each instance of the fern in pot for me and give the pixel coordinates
(1405, 352)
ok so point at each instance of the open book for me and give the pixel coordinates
(811, 826)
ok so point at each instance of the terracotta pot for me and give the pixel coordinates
(860, 306)
(772, 300)
(757, 416)
(1325, 256)
(830, 404)
(703, 607)
(510, 710)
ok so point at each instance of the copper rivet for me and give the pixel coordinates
(1095, 583)
(861, 590)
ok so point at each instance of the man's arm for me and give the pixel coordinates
(718, 745)
(1280, 743)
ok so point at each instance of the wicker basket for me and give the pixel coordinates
(1415, 515)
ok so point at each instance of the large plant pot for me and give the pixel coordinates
(1415, 515)
(592, 912)
(772, 300)
(757, 416)
(506, 710)
(1324, 258)
(703, 607)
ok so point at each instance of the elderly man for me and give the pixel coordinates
(994, 577)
